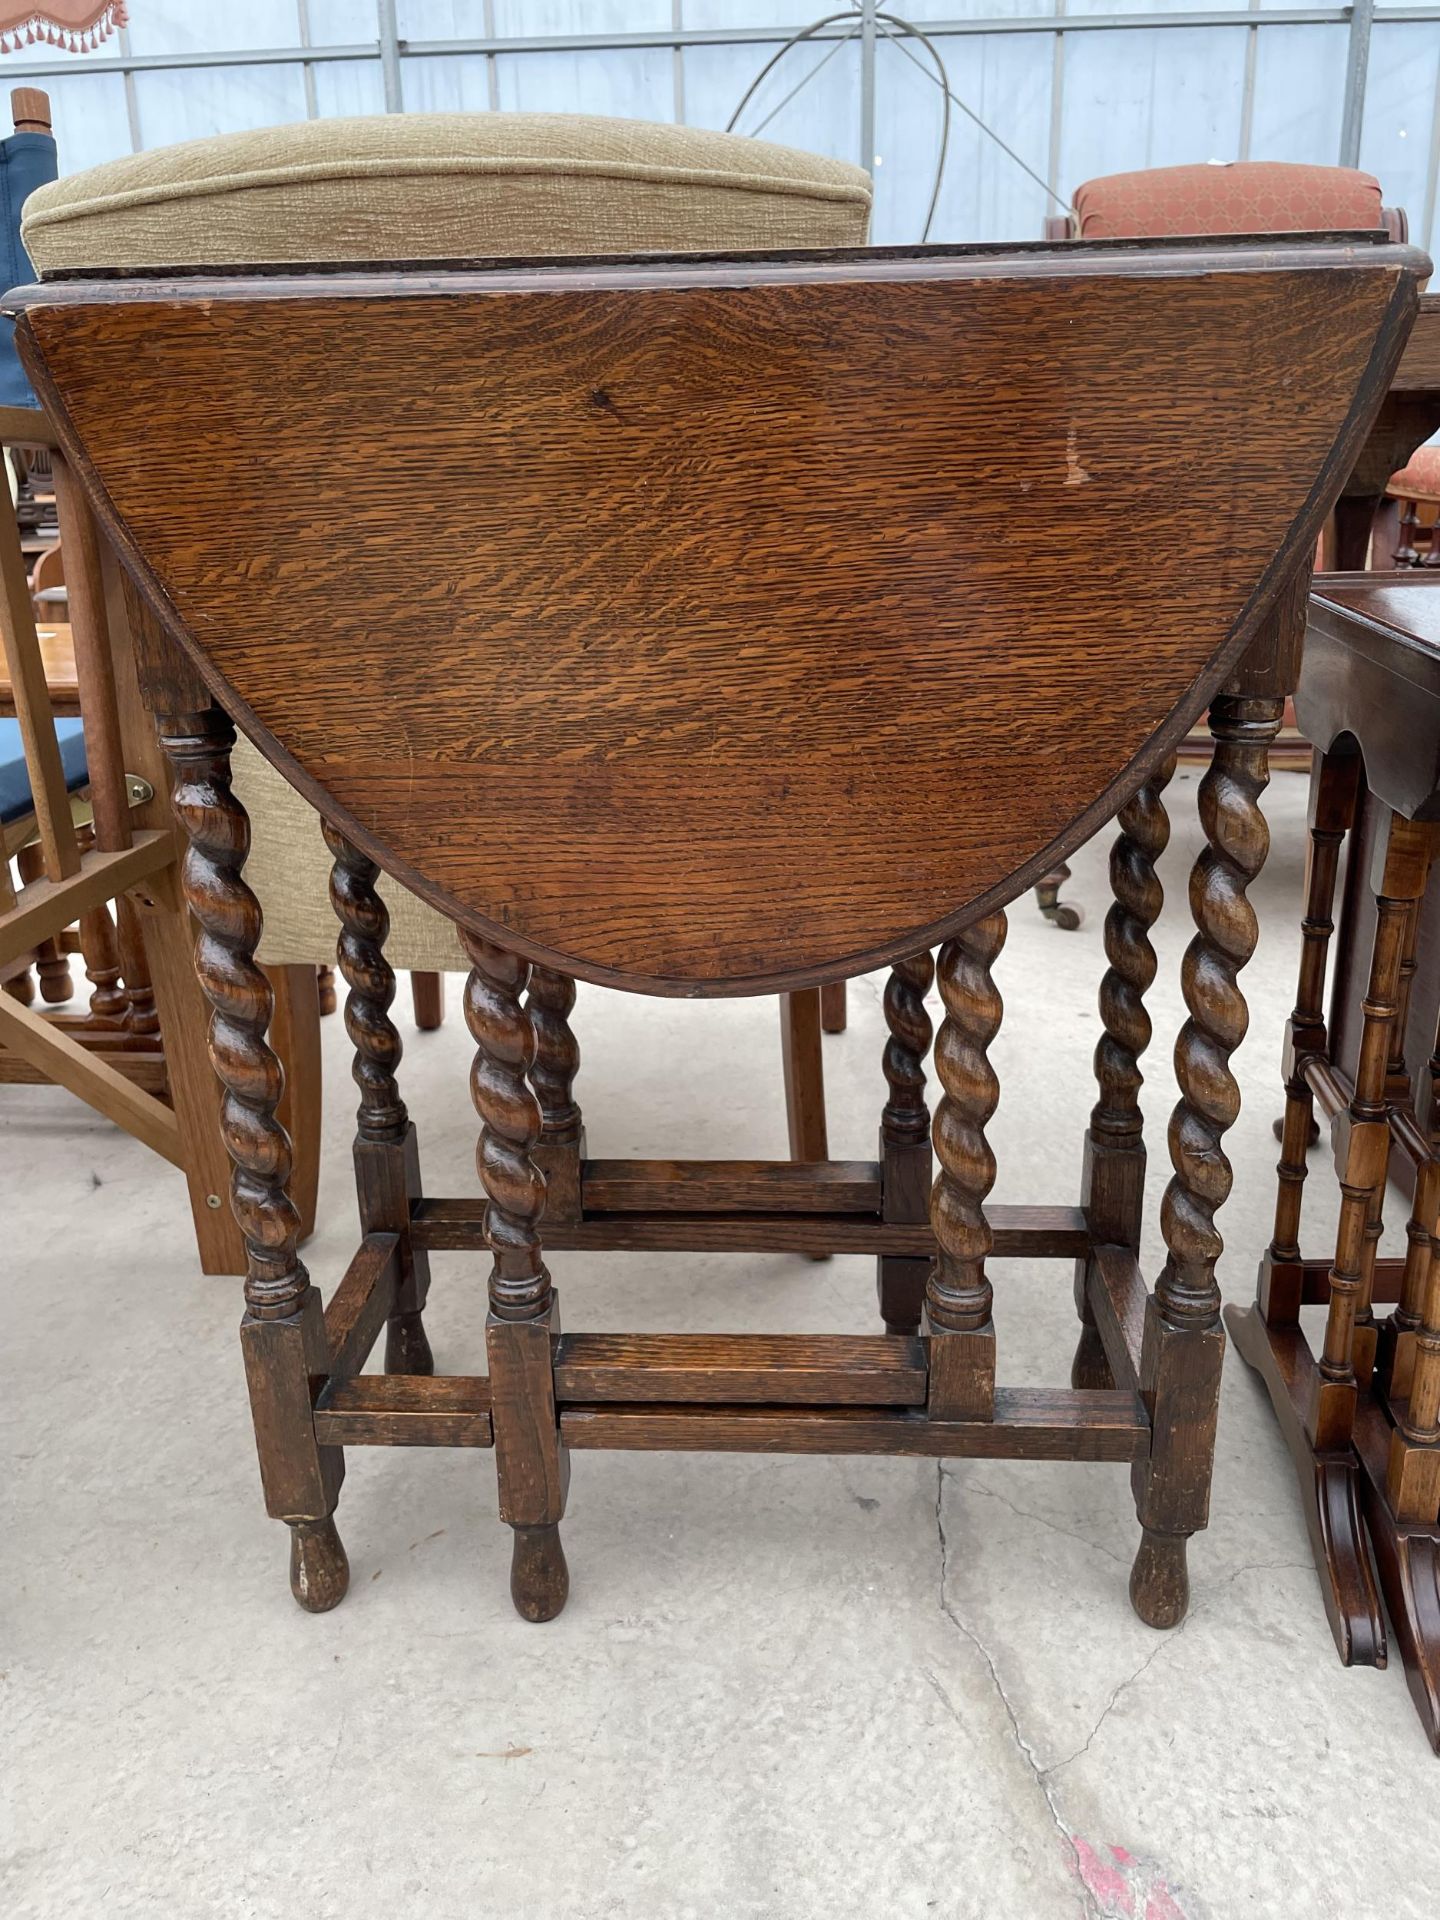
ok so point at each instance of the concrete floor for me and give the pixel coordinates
(783, 1687)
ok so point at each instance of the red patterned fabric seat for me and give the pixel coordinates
(1245, 196)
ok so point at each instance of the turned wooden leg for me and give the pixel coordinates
(1112, 1188)
(283, 1331)
(958, 1295)
(101, 952)
(1047, 897)
(532, 1466)
(834, 1012)
(1332, 814)
(427, 999)
(906, 1167)
(142, 1015)
(387, 1159)
(56, 985)
(325, 990)
(1402, 861)
(561, 1150)
(1183, 1342)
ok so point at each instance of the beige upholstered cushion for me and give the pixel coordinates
(434, 186)
(289, 868)
(411, 187)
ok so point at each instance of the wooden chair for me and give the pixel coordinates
(89, 829)
(594, 770)
(1362, 1418)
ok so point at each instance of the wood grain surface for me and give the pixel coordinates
(671, 597)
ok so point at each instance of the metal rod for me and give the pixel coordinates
(1357, 66)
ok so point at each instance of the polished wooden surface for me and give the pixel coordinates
(57, 656)
(1372, 670)
(761, 541)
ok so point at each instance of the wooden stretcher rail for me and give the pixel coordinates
(791, 1369)
(405, 1410)
(1117, 1293)
(1029, 1424)
(46, 906)
(361, 1304)
(1020, 1232)
(723, 1186)
(1333, 1089)
(1313, 1277)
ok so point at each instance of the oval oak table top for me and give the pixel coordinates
(719, 625)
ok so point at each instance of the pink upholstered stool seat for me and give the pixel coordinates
(1246, 196)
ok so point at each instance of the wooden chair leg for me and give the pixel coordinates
(387, 1155)
(804, 1069)
(1183, 1342)
(834, 1013)
(906, 1164)
(283, 1333)
(56, 985)
(325, 987)
(427, 996)
(1112, 1188)
(1047, 898)
(141, 1015)
(295, 1038)
(532, 1465)
(108, 1002)
(21, 986)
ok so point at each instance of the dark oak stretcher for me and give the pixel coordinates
(1363, 1419)
(733, 670)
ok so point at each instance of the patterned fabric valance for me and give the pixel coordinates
(76, 25)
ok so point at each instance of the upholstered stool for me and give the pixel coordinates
(1417, 490)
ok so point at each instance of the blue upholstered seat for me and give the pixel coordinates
(16, 799)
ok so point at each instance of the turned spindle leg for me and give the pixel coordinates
(1422, 1248)
(283, 1331)
(387, 1157)
(958, 1297)
(906, 1167)
(532, 1466)
(1401, 865)
(1332, 814)
(142, 1016)
(1183, 1342)
(549, 1002)
(51, 965)
(108, 1003)
(1113, 1178)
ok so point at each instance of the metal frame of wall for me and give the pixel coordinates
(388, 47)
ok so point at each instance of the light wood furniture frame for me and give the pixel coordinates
(605, 585)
